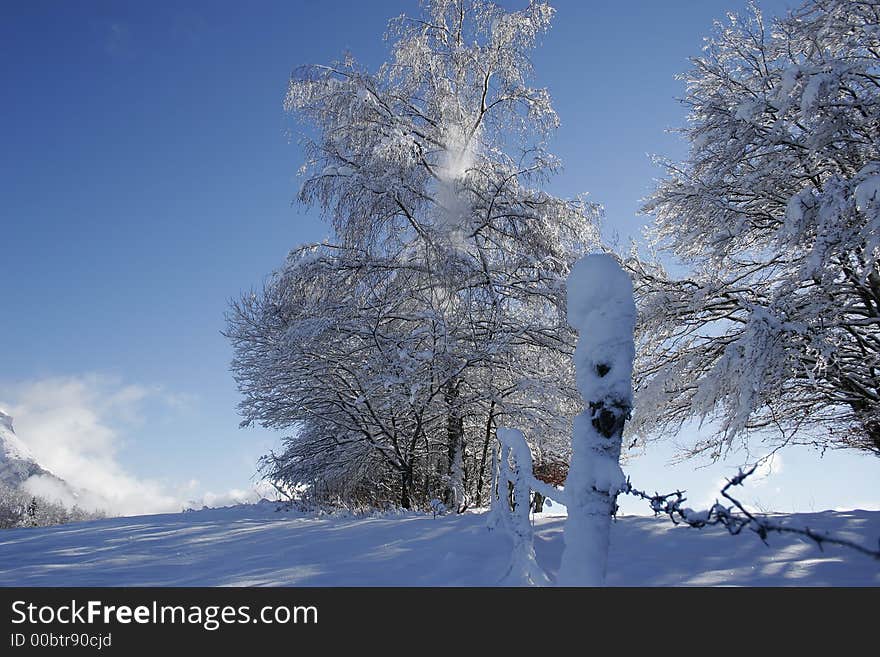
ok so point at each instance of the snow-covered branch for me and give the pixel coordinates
(776, 214)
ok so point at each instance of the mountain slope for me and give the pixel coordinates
(17, 463)
(254, 545)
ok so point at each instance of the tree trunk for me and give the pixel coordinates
(538, 502)
(455, 445)
(405, 484)
(873, 430)
(486, 441)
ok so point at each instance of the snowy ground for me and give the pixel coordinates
(253, 545)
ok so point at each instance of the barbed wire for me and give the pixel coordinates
(736, 517)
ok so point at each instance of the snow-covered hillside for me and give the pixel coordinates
(254, 545)
(17, 463)
(11, 447)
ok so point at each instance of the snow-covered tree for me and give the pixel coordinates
(21, 509)
(438, 309)
(776, 215)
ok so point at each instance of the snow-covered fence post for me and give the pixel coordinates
(602, 309)
(524, 569)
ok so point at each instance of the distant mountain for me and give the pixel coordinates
(17, 463)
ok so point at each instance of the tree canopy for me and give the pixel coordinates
(776, 215)
(438, 309)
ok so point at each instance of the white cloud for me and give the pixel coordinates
(76, 425)
(235, 496)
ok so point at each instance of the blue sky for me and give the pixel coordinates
(145, 179)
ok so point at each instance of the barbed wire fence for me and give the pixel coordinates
(736, 517)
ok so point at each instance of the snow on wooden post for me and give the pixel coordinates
(524, 569)
(601, 308)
